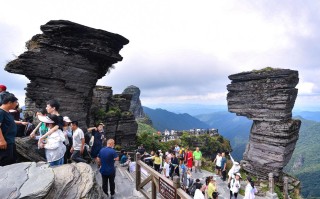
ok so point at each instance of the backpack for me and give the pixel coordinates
(193, 188)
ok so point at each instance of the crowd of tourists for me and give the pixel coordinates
(61, 138)
(183, 162)
(64, 142)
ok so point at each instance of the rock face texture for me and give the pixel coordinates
(114, 112)
(64, 63)
(135, 106)
(37, 180)
(267, 97)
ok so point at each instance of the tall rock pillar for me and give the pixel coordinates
(266, 97)
(64, 63)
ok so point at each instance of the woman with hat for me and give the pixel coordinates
(234, 169)
(53, 144)
(235, 185)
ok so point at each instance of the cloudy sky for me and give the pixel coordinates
(181, 52)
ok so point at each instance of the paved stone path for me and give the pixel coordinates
(125, 184)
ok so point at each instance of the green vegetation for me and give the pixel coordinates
(266, 69)
(307, 153)
(149, 137)
(113, 111)
(209, 144)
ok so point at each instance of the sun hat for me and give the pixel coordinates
(238, 174)
(45, 119)
(66, 119)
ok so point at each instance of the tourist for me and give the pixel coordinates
(183, 169)
(223, 166)
(177, 149)
(197, 155)
(98, 138)
(198, 193)
(166, 167)
(156, 161)
(3, 93)
(67, 131)
(106, 158)
(234, 169)
(41, 127)
(78, 142)
(53, 144)
(21, 125)
(212, 188)
(8, 131)
(235, 186)
(189, 179)
(188, 159)
(250, 189)
(125, 160)
(217, 160)
(174, 170)
(52, 108)
(141, 149)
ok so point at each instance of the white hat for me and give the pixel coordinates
(238, 174)
(66, 119)
(45, 119)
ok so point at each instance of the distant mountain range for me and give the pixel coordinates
(163, 119)
(305, 161)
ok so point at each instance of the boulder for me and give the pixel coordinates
(39, 181)
(267, 97)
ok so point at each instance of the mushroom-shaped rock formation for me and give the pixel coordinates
(65, 63)
(266, 97)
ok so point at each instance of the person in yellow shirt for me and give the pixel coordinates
(212, 189)
(156, 161)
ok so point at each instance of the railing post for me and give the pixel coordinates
(271, 193)
(285, 187)
(138, 172)
(153, 189)
(176, 184)
(271, 183)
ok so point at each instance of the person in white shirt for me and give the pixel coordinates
(166, 168)
(250, 190)
(53, 144)
(77, 148)
(217, 160)
(234, 169)
(198, 193)
(235, 186)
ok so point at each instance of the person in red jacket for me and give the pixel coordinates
(188, 158)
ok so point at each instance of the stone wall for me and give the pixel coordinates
(267, 97)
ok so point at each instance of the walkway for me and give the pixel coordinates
(125, 184)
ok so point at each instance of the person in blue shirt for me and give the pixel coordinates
(8, 131)
(98, 138)
(106, 158)
(224, 166)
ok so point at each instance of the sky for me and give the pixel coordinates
(181, 52)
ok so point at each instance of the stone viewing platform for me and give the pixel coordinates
(267, 97)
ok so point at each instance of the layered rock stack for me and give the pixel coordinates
(64, 63)
(114, 112)
(37, 180)
(135, 106)
(266, 97)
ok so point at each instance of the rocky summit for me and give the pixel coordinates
(267, 97)
(65, 63)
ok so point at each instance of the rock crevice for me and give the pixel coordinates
(267, 97)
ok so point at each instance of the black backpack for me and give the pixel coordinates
(193, 188)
